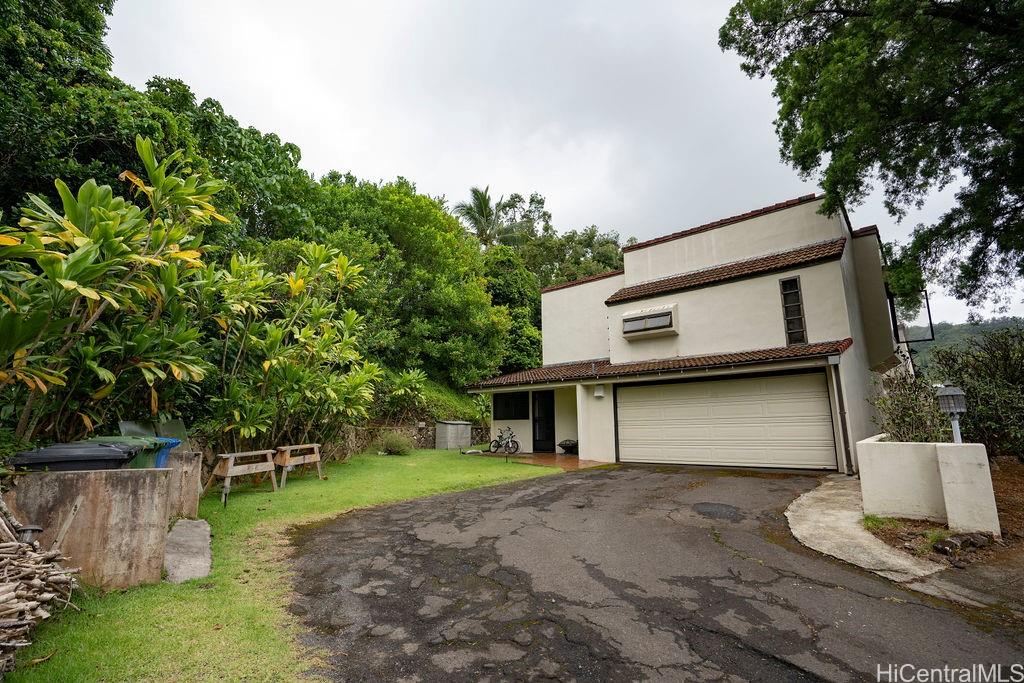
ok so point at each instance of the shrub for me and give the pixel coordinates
(908, 410)
(393, 443)
(990, 370)
(482, 409)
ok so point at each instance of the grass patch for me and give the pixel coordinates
(233, 625)
(445, 403)
(875, 523)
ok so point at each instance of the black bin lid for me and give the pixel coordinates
(70, 452)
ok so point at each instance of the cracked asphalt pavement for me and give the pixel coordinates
(627, 574)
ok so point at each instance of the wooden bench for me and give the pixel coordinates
(231, 465)
(304, 454)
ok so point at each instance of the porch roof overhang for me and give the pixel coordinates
(602, 369)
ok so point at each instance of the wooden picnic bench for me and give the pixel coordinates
(231, 465)
(303, 454)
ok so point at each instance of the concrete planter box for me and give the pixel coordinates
(941, 482)
(113, 523)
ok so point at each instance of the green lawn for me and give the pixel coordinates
(233, 625)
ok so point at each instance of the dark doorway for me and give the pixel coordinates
(544, 422)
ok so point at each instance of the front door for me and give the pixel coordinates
(544, 422)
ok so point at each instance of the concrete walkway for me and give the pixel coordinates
(828, 519)
(188, 551)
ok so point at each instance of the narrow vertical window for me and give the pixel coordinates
(793, 311)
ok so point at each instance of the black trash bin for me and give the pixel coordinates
(65, 457)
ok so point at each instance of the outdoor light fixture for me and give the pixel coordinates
(952, 402)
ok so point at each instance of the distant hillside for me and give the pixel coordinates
(951, 333)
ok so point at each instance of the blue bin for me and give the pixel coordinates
(168, 444)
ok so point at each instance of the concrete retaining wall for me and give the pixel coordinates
(184, 484)
(116, 520)
(942, 482)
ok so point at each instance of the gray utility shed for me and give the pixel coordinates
(453, 434)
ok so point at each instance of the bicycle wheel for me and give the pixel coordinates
(495, 445)
(512, 446)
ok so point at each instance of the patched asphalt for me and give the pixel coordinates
(625, 574)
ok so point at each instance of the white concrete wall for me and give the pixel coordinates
(778, 231)
(575, 321)
(565, 416)
(942, 482)
(522, 428)
(874, 307)
(596, 423)
(854, 364)
(900, 479)
(738, 316)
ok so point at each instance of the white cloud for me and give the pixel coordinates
(631, 120)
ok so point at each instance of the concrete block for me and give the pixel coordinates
(967, 488)
(188, 550)
(184, 484)
(113, 522)
(900, 479)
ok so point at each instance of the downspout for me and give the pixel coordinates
(844, 424)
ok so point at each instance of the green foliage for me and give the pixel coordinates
(441, 402)
(94, 316)
(952, 333)
(108, 312)
(509, 282)
(876, 523)
(482, 409)
(908, 410)
(394, 443)
(524, 344)
(990, 369)
(913, 95)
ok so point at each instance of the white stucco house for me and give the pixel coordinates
(750, 341)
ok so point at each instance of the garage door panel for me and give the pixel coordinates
(780, 421)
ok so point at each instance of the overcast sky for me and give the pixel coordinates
(631, 120)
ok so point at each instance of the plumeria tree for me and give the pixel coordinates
(93, 312)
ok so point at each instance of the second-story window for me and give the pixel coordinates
(793, 311)
(645, 323)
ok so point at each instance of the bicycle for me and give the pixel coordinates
(506, 440)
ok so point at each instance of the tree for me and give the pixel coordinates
(515, 288)
(917, 94)
(556, 258)
(509, 282)
(62, 115)
(487, 219)
(92, 300)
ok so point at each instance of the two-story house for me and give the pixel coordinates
(749, 341)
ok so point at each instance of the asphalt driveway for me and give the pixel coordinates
(634, 573)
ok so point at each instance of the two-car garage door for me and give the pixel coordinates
(771, 421)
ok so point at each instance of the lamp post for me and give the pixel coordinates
(952, 402)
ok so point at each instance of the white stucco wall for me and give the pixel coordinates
(522, 428)
(777, 231)
(565, 416)
(575, 321)
(737, 316)
(596, 423)
(854, 364)
(874, 307)
(943, 482)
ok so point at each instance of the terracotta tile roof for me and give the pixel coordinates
(601, 368)
(865, 231)
(789, 203)
(801, 256)
(582, 280)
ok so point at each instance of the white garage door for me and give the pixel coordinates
(778, 421)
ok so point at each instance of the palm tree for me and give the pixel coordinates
(487, 219)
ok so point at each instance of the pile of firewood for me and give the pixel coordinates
(32, 585)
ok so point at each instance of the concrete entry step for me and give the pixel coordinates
(188, 550)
